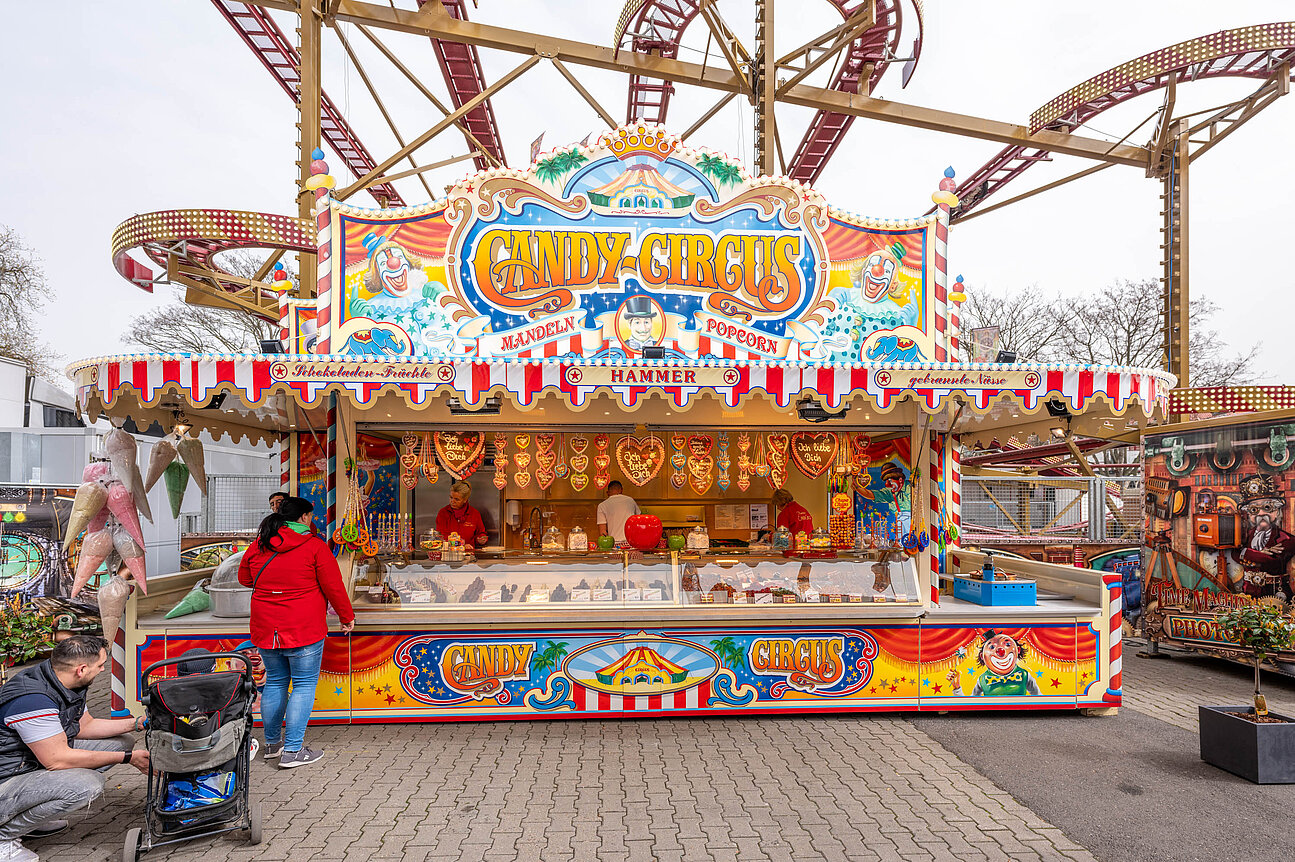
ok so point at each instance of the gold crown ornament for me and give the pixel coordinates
(640, 140)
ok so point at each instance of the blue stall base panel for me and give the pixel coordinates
(996, 593)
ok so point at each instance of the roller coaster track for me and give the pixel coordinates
(461, 68)
(282, 60)
(1246, 52)
(657, 26)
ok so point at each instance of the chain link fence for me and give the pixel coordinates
(1052, 509)
(234, 504)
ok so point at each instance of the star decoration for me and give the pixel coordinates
(1056, 683)
(885, 682)
(337, 691)
(402, 698)
(926, 682)
(387, 689)
(360, 690)
(894, 688)
(872, 690)
(935, 688)
(390, 699)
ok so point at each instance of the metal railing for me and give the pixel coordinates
(233, 504)
(1047, 509)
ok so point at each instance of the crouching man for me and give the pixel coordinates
(53, 753)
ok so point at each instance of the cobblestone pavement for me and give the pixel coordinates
(1171, 688)
(841, 788)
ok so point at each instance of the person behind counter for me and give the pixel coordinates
(292, 575)
(459, 517)
(615, 511)
(791, 514)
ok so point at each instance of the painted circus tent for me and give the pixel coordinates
(636, 311)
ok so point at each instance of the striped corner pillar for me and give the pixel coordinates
(330, 478)
(322, 182)
(1115, 589)
(945, 200)
(286, 441)
(954, 503)
(117, 702)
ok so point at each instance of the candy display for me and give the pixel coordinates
(193, 456)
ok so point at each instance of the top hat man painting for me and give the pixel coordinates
(1268, 548)
(639, 313)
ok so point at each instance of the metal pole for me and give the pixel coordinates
(1177, 297)
(309, 133)
(766, 89)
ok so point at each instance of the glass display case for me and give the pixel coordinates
(634, 580)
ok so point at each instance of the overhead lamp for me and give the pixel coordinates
(271, 345)
(654, 351)
(489, 407)
(1057, 408)
(182, 426)
(1006, 357)
(810, 410)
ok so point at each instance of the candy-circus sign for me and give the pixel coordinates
(633, 242)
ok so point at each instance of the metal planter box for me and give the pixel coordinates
(1262, 753)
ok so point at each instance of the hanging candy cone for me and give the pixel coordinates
(94, 550)
(112, 604)
(90, 499)
(123, 452)
(123, 509)
(163, 453)
(132, 554)
(191, 453)
(176, 476)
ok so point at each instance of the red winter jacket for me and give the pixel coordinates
(289, 594)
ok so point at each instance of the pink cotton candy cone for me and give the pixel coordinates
(112, 604)
(94, 550)
(90, 499)
(95, 470)
(123, 509)
(132, 554)
(123, 452)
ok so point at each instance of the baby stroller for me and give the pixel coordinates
(198, 736)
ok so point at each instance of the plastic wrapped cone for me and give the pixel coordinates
(90, 499)
(94, 550)
(123, 452)
(191, 453)
(177, 478)
(95, 470)
(194, 601)
(163, 454)
(132, 554)
(123, 509)
(99, 521)
(112, 604)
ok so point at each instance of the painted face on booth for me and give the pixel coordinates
(1264, 514)
(1000, 654)
(878, 273)
(641, 329)
(393, 271)
(457, 500)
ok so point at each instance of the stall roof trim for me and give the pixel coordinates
(154, 380)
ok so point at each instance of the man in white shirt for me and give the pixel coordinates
(614, 511)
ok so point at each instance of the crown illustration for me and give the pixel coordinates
(640, 140)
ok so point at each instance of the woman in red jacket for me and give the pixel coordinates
(292, 574)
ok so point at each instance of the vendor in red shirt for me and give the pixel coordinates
(459, 517)
(791, 514)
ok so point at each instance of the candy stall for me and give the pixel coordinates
(632, 431)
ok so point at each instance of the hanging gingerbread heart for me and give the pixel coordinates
(678, 441)
(544, 442)
(640, 458)
(544, 478)
(579, 463)
(701, 464)
(813, 451)
(678, 480)
(579, 481)
(778, 444)
(601, 480)
(859, 457)
(579, 443)
(522, 460)
(601, 442)
(460, 452)
(409, 461)
(561, 470)
(521, 441)
(743, 481)
(521, 478)
(677, 460)
(431, 469)
(602, 462)
(500, 481)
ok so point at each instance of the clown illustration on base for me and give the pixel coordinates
(1004, 676)
(1268, 548)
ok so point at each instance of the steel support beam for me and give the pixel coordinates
(765, 85)
(1177, 295)
(310, 38)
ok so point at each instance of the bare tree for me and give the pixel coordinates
(178, 327)
(22, 297)
(1029, 322)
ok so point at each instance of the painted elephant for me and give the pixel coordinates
(892, 348)
(375, 342)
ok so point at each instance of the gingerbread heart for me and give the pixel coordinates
(546, 458)
(500, 481)
(722, 481)
(522, 460)
(678, 480)
(501, 441)
(601, 480)
(678, 441)
(544, 478)
(640, 458)
(602, 462)
(700, 444)
(813, 451)
(521, 441)
(579, 463)
(578, 444)
(561, 470)
(521, 479)
(544, 442)
(579, 481)
(778, 442)
(460, 452)
(743, 482)
(601, 442)
(677, 460)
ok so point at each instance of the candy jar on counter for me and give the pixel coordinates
(553, 542)
(699, 539)
(820, 540)
(431, 540)
(577, 540)
(782, 539)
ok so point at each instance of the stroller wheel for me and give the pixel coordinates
(130, 852)
(254, 830)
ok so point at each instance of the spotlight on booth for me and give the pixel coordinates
(811, 411)
(489, 407)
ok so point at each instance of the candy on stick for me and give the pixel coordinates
(163, 453)
(94, 550)
(192, 455)
(132, 554)
(90, 499)
(112, 604)
(123, 509)
(177, 477)
(124, 455)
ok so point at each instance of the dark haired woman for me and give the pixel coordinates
(292, 574)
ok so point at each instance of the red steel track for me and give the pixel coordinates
(657, 26)
(461, 68)
(1246, 52)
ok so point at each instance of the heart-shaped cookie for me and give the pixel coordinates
(677, 460)
(778, 443)
(700, 444)
(701, 473)
(601, 442)
(813, 451)
(544, 478)
(640, 458)
(500, 481)
(743, 482)
(546, 459)
(601, 480)
(602, 462)
(459, 452)
(522, 460)
(579, 463)
(521, 441)
(578, 443)
(678, 441)
(579, 481)
(521, 479)
(544, 442)
(678, 480)
(561, 470)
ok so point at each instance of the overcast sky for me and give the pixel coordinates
(115, 108)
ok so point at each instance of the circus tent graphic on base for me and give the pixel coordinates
(641, 665)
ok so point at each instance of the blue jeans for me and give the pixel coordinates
(300, 666)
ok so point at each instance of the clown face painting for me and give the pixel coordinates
(876, 276)
(1004, 675)
(393, 273)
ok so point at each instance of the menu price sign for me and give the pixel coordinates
(732, 516)
(759, 516)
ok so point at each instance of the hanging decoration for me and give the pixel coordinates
(602, 461)
(723, 462)
(460, 452)
(430, 467)
(778, 445)
(352, 530)
(813, 451)
(579, 462)
(701, 463)
(501, 461)
(859, 457)
(677, 478)
(545, 460)
(640, 458)
(743, 461)
(561, 471)
(409, 461)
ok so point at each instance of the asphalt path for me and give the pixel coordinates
(1128, 787)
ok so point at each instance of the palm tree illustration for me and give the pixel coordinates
(559, 164)
(548, 658)
(723, 172)
(730, 654)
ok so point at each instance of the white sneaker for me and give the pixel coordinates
(13, 851)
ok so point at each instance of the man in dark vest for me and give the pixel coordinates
(53, 753)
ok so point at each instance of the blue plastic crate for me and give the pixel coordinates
(996, 593)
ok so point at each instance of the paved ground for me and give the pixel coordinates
(1021, 787)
